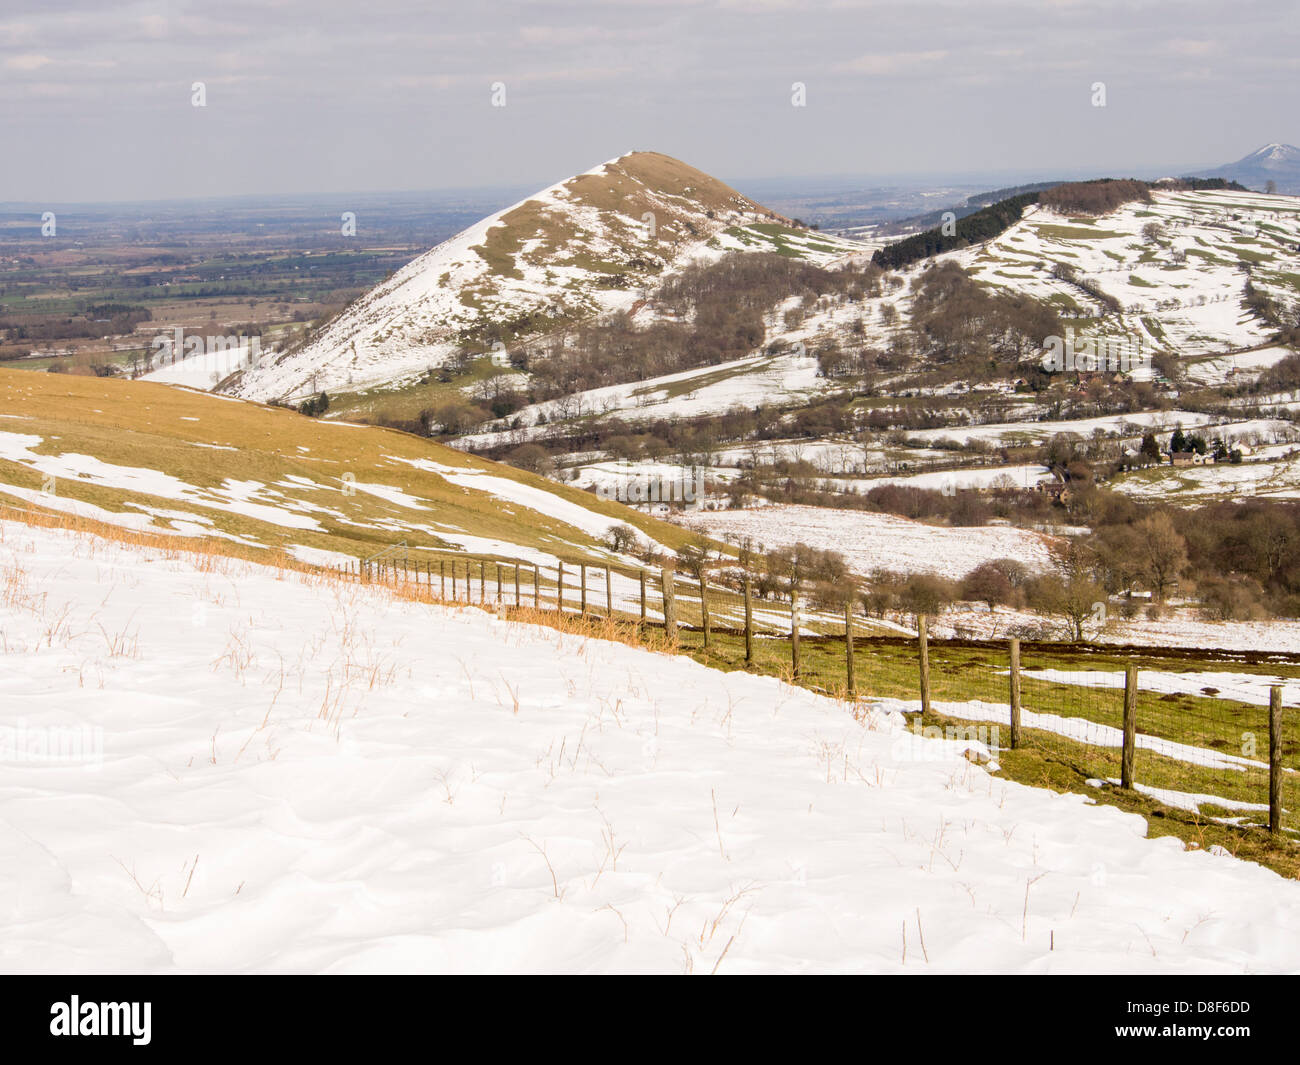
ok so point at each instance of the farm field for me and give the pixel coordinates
(872, 541)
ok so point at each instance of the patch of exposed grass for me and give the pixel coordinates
(1046, 759)
(1060, 232)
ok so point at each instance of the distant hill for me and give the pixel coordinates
(1279, 163)
(584, 247)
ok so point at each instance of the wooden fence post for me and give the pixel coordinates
(923, 644)
(749, 624)
(1275, 759)
(559, 586)
(643, 606)
(455, 592)
(609, 594)
(582, 595)
(442, 577)
(704, 607)
(666, 578)
(794, 631)
(482, 581)
(537, 587)
(1130, 725)
(848, 648)
(1015, 692)
(516, 585)
(498, 566)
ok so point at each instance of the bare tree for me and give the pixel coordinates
(1163, 552)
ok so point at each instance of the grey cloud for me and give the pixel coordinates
(315, 97)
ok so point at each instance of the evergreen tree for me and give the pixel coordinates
(1150, 448)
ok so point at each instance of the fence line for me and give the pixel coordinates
(1125, 717)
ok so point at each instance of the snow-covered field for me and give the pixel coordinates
(1180, 626)
(1233, 369)
(871, 541)
(264, 772)
(204, 370)
(1122, 425)
(1195, 485)
(1016, 476)
(707, 390)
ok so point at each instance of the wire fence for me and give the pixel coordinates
(1210, 733)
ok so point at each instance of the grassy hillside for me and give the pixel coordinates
(261, 478)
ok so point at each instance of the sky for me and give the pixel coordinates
(321, 96)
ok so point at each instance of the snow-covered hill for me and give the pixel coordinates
(1177, 266)
(1275, 162)
(261, 771)
(587, 245)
